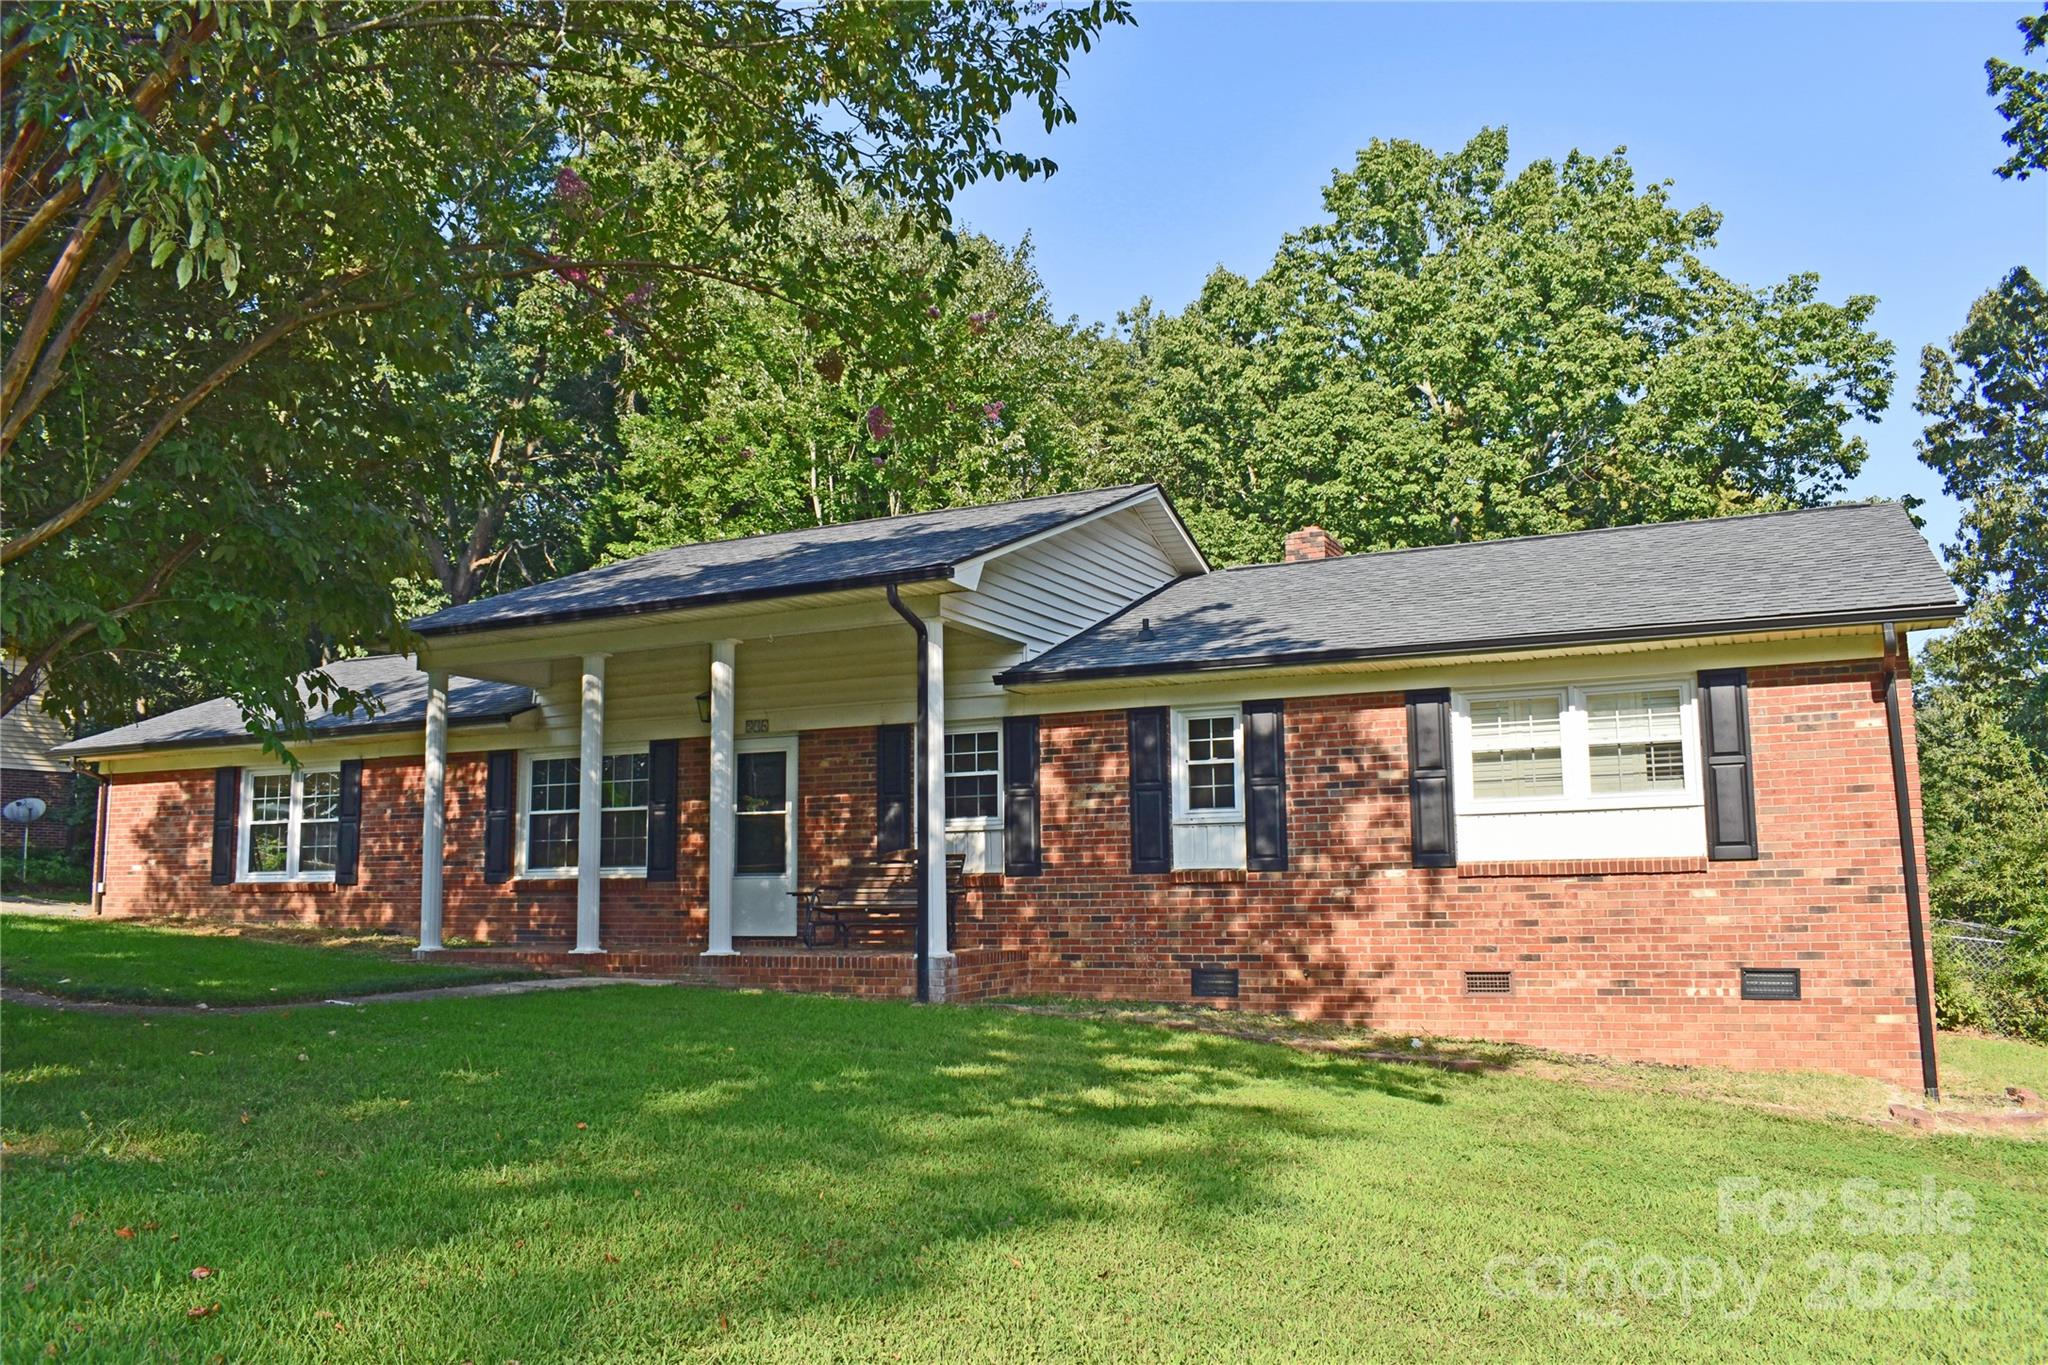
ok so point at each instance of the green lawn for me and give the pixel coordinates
(1973, 1064)
(108, 960)
(680, 1173)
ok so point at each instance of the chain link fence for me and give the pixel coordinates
(1982, 948)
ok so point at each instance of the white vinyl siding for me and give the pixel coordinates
(1604, 771)
(290, 824)
(1053, 590)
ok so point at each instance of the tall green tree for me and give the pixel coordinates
(2023, 99)
(1985, 808)
(800, 424)
(1455, 353)
(520, 438)
(234, 236)
(1986, 401)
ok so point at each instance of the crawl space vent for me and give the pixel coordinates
(1770, 983)
(1214, 982)
(1489, 983)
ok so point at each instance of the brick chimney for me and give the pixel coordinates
(1311, 542)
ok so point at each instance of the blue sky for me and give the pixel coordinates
(1851, 140)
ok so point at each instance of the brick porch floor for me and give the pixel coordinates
(869, 973)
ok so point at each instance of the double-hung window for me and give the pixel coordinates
(1209, 772)
(291, 823)
(1635, 740)
(1517, 746)
(1208, 787)
(974, 777)
(623, 825)
(1590, 747)
(553, 798)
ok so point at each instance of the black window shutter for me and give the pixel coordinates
(661, 809)
(1432, 835)
(1021, 855)
(1151, 801)
(1731, 786)
(501, 774)
(348, 831)
(1265, 786)
(227, 810)
(892, 787)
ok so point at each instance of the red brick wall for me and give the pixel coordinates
(53, 833)
(836, 802)
(1640, 962)
(160, 862)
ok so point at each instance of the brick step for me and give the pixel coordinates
(561, 962)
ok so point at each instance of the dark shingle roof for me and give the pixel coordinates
(783, 563)
(399, 688)
(1829, 565)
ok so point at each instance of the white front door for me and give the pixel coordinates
(764, 826)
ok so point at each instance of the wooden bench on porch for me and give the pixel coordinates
(874, 905)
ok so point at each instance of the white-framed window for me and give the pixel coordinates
(622, 827)
(290, 823)
(974, 779)
(1635, 740)
(1593, 747)
(1208, 765)
(1517, 746)
(550, 799)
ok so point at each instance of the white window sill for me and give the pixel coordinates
(1578, 805)
(569, 874)
(969, 826)
(1228, 817)
(285, 879)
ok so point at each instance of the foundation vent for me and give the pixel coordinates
(1489, 983)
(1770, 983)
(1213, 982)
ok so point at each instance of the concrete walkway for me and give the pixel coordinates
(15, 995)
(19, 903)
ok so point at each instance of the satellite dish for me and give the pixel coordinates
(24, 810)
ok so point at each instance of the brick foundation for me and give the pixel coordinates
(1629, 958)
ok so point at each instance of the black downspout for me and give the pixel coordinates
(917, 811)
(1916, 933)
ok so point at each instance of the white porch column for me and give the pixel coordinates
(932, 800)
(434, 804)
(724, 778)
(590, 810)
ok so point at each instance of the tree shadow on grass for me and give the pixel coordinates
(794, 1161)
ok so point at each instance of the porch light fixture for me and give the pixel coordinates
(704, 707)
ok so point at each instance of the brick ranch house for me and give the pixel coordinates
(1646, 792)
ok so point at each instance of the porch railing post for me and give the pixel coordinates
(590, 808)
(724, 777)
(433, 805)
(931, 803)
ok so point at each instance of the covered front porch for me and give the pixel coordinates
(686, 779)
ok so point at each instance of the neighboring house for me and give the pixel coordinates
(30, 766)
(1627, 792)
